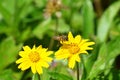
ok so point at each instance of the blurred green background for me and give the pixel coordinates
(22, 23)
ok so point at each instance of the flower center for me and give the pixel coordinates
(34, 56)
(74, 49)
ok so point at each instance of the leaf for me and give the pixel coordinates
(5, 13)
(89, 60)
(88, 19)
(3, 29)
(63, 27)
(45, 75)
(25, 34)
(8, 52)
(99, 64)
(7, 75)
(9, 5)
(106, 20)
(24, 8)
(113, 51)
(106, 57)
(59, 76)
(42, 28)
(114, 48)
(40, 3)
(76, 22)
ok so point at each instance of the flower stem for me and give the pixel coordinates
(39, 77)
(77, 71)
(33, 77)
(36, 77)
(55, 33)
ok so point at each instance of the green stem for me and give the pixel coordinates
(33, 77)
(77, 71)
(55, 33)
(39, 77)
(36, 77)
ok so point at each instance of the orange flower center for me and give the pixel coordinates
(34, 56)
(73, 48)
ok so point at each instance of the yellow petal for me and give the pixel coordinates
(24, 53)
(47, 59)
(62, 53)
(34, 48)
(20, 60)
(33, 67)
(45, 54)
(83, 41)
(71, 62)
(89, 43)
(89, 48)
(23, 65)
(84, 46)
(77, 39)
(49, 53)
(39, 48)
(83, 52)
(26, 48)
(77, 58)
(44, 64)
(70, 37)
(39, 68)
(26, 65)
(20, 66)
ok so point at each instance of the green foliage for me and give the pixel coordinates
(22, 23)
(88, 19)
(106, 20)
(8, 51)
(60, 76)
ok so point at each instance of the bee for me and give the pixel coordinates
(61, 38)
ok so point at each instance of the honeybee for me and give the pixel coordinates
(61, 38)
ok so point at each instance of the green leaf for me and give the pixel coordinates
(106, 57)
(42, 28)
(89, 60)
(114, 48)
(25, 34)
(6, 14)
(106, 20)
(59, 76)
(24, 8)
(3, 29)
(7, 75)
(8, 5)
(63, 27)
(45, 75)
(8, 52)
(113, 51)
(40, 3)
(88, 19)
(99, 64)
(77, 22)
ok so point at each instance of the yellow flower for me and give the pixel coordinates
(71, 49)
(36, 58)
